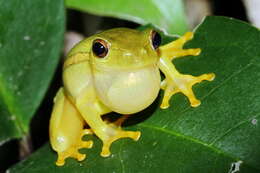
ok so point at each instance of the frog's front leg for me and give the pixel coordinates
(66, 130)
(175, 49)
(108, 133)
(174, 81)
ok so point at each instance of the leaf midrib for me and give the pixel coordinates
(189, 138)
(232, 129)
(173, 133)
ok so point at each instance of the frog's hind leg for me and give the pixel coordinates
(66, 130)
(174, 81)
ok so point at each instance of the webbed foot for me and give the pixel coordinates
(73, 150)
(115, 133)
(183, 83)
(174, 81)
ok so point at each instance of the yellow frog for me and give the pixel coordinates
(115, 71)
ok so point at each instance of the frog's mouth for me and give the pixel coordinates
(128, 92)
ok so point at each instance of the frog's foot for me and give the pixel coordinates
(114, 133)
(182, 83)
(73, 150)
(175, 49)
(176, 82)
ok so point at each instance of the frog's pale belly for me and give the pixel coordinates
(128, 92)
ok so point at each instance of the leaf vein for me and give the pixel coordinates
(120, 157)
(187, 138)
(219, 85)
(231, 129)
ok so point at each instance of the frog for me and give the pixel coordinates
(117, 70)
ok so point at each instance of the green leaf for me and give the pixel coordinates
(222, 134)
(167, 15)
(31, 34)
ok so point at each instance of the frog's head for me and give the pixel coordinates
(124, 49)
(124, 64)
(124, 67)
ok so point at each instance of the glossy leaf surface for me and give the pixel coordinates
(31, 34)
(221, 135)
(167, 15)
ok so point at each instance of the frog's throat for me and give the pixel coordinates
(124, 65)
(128, 92)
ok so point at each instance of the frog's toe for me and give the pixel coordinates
(185, 52)
(188, 92)
(165, 105)
(86, 144)
(210, 76)
(175, 49)
(61, 160)
(62, 156)
(73, 152)
(79, 156)
(194, 52)
(188, 35)
(86, 132)
(180, 41)
(195, 102)
(166, 98)
(69, 153)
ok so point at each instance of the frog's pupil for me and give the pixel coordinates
(156, 39)
(99, 49)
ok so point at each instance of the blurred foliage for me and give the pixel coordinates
(30, 50)
(167, 15)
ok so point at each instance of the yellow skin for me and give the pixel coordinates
(126, 81)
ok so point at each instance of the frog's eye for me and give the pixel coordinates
(100, 48)
(155, 39)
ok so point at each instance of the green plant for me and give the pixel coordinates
(220, 135)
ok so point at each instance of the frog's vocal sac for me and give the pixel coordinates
(115, 71)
